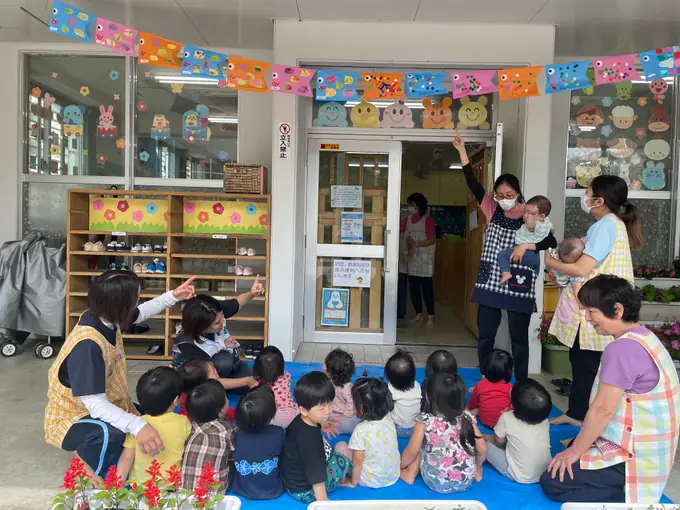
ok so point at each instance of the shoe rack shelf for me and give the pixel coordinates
(212, 258)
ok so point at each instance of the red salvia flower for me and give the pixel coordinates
(205, 485)
(154, 471)
(74, 473)
(152, 494)
(174, 477)
(113, 481)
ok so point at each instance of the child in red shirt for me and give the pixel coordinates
(491, 396)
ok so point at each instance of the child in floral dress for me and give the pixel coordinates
(446, 448)
(269, 370)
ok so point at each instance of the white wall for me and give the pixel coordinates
(403, 43)
(254, 139)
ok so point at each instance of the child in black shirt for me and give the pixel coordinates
(259, 446)
(308, 469)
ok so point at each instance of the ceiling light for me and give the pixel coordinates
(368, 165)
(173, 78)
(223, 120)
(646, 82)
(456, 167)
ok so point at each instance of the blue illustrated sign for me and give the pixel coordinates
(335, 307)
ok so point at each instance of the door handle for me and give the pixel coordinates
(385, 236)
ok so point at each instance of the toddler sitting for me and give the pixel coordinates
(339, 366)
(491, 396)
(400, 373)
(569, 251)
(537, 226)
(269, 370)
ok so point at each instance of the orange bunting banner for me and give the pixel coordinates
(383, 86)
(246, 74)
(157, 51)
(518, 82)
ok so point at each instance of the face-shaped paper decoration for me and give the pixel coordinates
(397, 115)
(623, 117)
(331, 115)
(195, 125)
(657, 149)
(73, 120)
(160, 128)
(589, 116)
(653, 176)
(473, 113)
(106, 126)
(246, 74)
(659, 87)
(115, 36)
(659, 120)
(438, 115)
(624, 90)
(586, 173)
(365, 115)
(621, 148)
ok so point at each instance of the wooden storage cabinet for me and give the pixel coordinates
(211, 257)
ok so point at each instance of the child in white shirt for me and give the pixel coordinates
(400, 373)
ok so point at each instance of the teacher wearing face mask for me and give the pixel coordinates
(504, 211)
(617, 229)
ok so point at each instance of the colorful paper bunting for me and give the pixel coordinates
(292, 80)
(117, 37)
(518, 82)
(383, 86)
(661, 62)
(425, 84)
(157, 51)
(570, 76)
(337, 86)
(201, 62)
(472, 83)
(615, 69)
(71, 21)
(246, 74)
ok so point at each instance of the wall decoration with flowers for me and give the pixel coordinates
(211, 217)
(128, 214)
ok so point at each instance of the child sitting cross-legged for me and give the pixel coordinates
(211, 438)
(339, 365)
(446, 447)
(308, 469)
(491, 396)
(520, 446)
(373, 446)
(438, 361)
(158, 392)
(193, 373)
(400, 373)
(258, 446)
(269, 370)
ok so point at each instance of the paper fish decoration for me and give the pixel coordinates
(518, 82)
(337, 86)
(115, 36)
(425, 84)
(383, 86)
(470, 83)
(195, 124)
(246, 74)
(292, 80)
(201, 62)
(661, 62)
(570, 76)
(71, 21)
(615, 69)
(157, 51)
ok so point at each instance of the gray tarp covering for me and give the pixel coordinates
(33, 286)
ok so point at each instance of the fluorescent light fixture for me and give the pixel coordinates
(645, 81)
(456, 167)
(380, 165)
(223, 120)
(173, 78)
(384, 104)
(587, 128)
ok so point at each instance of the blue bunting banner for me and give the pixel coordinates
(661, 62)
(72, 22)
(425, 84)
(337, 86)
(563, 77)
(201, 62)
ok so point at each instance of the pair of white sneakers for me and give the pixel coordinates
(96, 247)
(243, 270)
(245, 252)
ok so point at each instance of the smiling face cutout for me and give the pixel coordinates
(473, 113)
(621, 147)
(657, 149)
(659, 121)
(397, 115)
(331, 115)
(365, 115)
(589, 116)
(437, 116)
(623, 117)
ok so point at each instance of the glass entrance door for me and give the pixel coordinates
(352, 241)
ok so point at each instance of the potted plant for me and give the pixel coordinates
(555, 354)
(669, 334)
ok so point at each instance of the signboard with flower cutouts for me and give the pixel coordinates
(128, 214)
(210, 217)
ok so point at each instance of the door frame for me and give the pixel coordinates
(388, 252)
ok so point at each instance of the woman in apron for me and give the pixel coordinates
(626, 447)
(617, 229)
(504, 211)
(420, 237)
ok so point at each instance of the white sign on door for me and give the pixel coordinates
(346, 196)
(285, 132)
(352, 230)
(352, 273)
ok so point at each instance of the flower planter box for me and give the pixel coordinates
(659, 283)
(651, 312)
(617, 506)
(228, 503)
(556, 360)
(396, 505)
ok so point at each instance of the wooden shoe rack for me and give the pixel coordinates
(195, 246)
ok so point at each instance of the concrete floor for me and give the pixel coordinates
(32, 471)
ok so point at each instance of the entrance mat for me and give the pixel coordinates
(495, 491)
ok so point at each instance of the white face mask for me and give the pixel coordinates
(507, 203)
(584, 206)
(412, 210)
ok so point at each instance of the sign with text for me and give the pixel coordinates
(335, 303)
(352, 227)
(352, 273)
(285, 133)
(346, 196)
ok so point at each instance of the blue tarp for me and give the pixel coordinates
(495, 491)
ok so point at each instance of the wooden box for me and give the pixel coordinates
(245, 179)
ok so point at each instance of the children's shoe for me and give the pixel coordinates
(145, 268)
(256, 351)
(151, 268)
(165, 247)
(147, 249)
(154, 349)
(238, 270)
(88, 246)
(137, 248)
(160, 266)
(137, 268)
(113, 266)
(158, 249)
(247, 271)
(251, 252)
(112, 246)
(121, 246)
(98, 247)
(124, 266)
(249, 352)
(242, 252)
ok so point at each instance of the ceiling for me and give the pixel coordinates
(584, 27)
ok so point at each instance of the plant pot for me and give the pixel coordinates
(396, 505)
(556, 360)
(659, 312)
